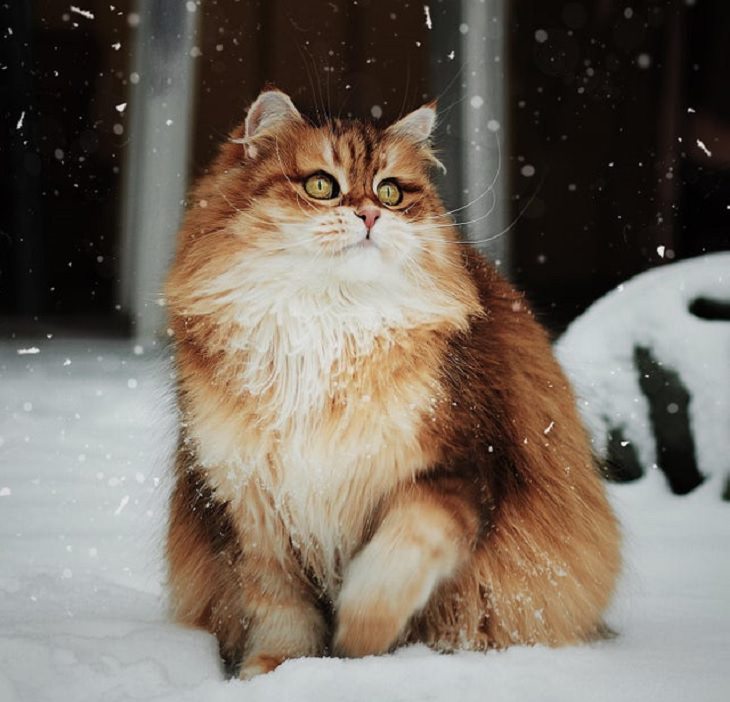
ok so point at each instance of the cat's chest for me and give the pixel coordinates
(306, 454)
(320, 440)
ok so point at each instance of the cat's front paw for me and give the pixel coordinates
(366, 628)
(383, 588)
(394, 576)
(259, 664)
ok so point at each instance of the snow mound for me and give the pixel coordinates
(659, 311)
(83, 454)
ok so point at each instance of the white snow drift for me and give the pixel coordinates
(83, 459)
(652, 310)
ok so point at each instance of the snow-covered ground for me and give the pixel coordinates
(84, 440)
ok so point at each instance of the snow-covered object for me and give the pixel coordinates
(656, 311)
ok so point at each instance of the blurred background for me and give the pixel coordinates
(585, 141)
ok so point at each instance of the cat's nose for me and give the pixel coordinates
(368, 214)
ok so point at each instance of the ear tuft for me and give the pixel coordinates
(417, 125)
(270, 109)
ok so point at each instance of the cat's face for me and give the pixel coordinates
(315, 238)
(344, 201)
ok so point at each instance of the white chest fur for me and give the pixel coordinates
(321, 421)
(316, 408)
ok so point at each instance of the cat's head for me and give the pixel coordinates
(342, 199)
(336, 221)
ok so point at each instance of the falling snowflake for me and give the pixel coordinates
(83, 13)
(702, 146)
(427, 13)
(122, 505)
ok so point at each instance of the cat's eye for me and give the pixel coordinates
(389, 193)
(321, 186)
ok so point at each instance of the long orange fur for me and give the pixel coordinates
(377, 445)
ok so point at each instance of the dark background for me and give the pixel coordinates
(606, 102)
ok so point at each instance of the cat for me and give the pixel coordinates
(377, 446)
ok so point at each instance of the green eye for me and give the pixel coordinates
(321, 186)
(389, 193)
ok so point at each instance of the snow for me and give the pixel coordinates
(651, 310)
(701, 145)
(82, 607)
(528, 170)
(84, 13)
(427, 14)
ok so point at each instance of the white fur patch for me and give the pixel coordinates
(394, 577)
(292, 326)
(296, 315)
(402, 565)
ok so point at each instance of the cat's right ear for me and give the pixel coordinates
(271, 110)
(417, 125)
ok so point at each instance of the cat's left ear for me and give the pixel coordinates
(417, 125)
(271, 110)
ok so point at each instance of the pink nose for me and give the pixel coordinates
(368, 214)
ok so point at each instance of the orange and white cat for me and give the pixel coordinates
(377, 446)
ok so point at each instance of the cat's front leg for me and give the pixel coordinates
(282, 620)
(427, 534)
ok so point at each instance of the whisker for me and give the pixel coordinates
(306, 70)
(490, 187)
(288, 180)
(245, 213)
(451, 82)
(318, 94)
(254, 218)
(405, 92)
(472, 242)
(327, 88)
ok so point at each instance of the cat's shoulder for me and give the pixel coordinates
(508, 321)
(493, 288)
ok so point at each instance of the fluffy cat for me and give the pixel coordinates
(377, 446)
